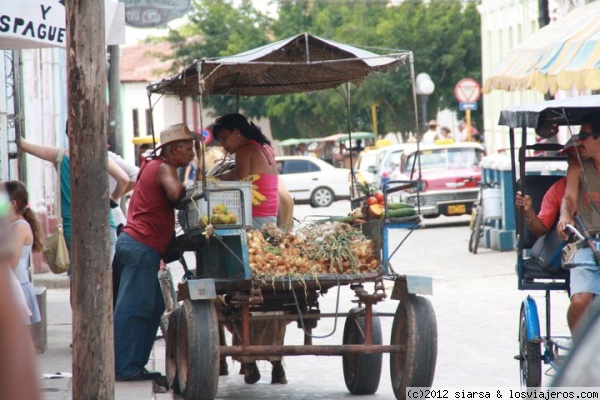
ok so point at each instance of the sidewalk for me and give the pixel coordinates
(55, 365)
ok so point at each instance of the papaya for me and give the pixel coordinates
(376, 210)
(399, 206)
(400, 213)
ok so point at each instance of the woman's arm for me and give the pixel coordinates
(120, 176)
(19, 232)
(44, 152)
(536, 226)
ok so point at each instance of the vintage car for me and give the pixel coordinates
(449, 174)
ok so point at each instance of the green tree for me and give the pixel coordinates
(444, 36)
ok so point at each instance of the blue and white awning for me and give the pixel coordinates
(562, 55)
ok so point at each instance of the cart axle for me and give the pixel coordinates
(336, 350)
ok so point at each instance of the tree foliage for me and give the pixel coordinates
(444, 36)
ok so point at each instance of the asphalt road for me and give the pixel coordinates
(476, 302)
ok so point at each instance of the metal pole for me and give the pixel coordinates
(424, 112)
(114, 105)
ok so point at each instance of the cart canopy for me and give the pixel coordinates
(301, 63)
(544, 114)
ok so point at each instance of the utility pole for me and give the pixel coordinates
(91, 285)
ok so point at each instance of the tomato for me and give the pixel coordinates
(379, 196)
(372, 200)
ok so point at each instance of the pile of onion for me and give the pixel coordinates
(317, 248)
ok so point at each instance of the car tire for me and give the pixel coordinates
(322, 197)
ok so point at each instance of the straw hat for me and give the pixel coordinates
(176, 133)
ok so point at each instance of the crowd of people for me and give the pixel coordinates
(141, 238)
(435, 132)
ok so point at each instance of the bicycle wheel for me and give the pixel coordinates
(471, 222)
(476, 232)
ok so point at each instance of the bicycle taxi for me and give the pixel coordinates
(225, 273)
(539, 265)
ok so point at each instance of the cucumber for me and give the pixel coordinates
(403, 212)
(399, 206)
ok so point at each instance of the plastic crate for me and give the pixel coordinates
(235, 195)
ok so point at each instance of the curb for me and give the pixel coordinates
(51, 281)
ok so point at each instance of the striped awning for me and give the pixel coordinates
(562, 55)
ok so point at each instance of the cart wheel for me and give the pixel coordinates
(171, 351)
(530, 360)
(198, 350)
(414, 328)
(362, 372)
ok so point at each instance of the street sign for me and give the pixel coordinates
(467, 91)
(207, 136)
(468, 106)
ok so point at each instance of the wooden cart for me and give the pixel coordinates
(300, 63)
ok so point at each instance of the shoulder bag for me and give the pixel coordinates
(55, 247)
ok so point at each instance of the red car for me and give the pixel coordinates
(449, 171)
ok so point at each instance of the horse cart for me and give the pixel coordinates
(243, 276)
(539, 265)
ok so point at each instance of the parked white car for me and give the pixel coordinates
(313, 180)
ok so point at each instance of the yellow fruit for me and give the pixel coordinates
(204, 220)
(220, 209)
(224, 219)
(233, 218)
(214, 219)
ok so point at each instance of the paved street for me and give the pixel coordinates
(475, 299)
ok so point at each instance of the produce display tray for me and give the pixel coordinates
(283, 283)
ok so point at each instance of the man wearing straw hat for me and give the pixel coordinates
(140, 247)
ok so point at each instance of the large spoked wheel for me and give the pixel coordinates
(530, 357)
(322, 197)
(198, 350)
(476, 232)
(171, 351)
(415, 329)
(362, 372)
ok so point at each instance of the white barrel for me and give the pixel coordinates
(492, 203)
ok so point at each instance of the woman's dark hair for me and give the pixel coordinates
(17, 192)
(238, 121)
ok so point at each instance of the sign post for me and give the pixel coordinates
(467, 91)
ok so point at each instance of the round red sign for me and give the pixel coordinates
(467, 90)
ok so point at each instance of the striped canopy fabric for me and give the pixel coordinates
(562, 55)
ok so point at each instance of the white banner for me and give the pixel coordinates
(27, 24)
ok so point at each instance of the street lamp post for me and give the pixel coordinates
(425, 88)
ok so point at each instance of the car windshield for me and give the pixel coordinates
(366, 160)
(447, 158)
